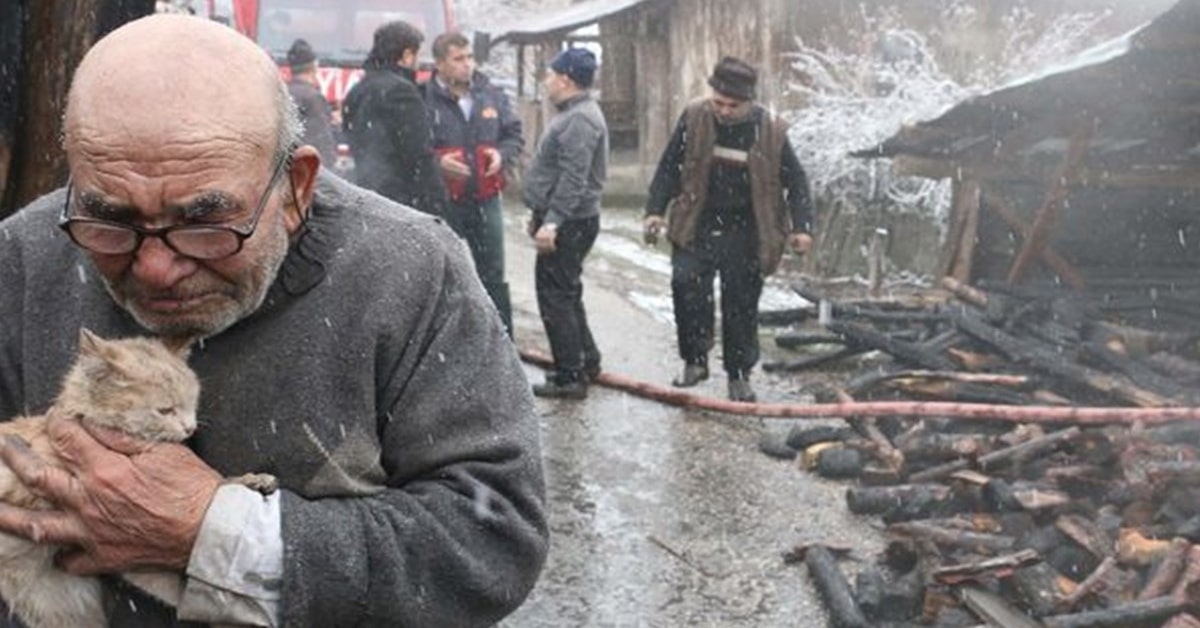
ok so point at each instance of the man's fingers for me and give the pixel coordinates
(45, 480)
(79, 448)
(78, 562)
(119, 442)
(40, 526)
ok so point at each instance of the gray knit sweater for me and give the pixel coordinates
(566, 176)
(376, 382)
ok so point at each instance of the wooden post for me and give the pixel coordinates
(1056, 193)
(965, 256)
(953, 231)
(875, 262)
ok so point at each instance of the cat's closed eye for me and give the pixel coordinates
(166, 411)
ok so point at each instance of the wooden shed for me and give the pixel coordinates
(657, 54)
(1084, 179)
(655, 58)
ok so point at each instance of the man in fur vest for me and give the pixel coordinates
(732, 195)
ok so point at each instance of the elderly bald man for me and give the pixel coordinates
(345, 346)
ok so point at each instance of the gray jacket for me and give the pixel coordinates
(566, 176)
(375, 381)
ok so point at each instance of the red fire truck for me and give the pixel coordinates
(340, 32)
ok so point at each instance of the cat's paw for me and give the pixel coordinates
(264, 483)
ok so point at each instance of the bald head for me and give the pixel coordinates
(172, 80)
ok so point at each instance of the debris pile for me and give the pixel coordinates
(996, 523)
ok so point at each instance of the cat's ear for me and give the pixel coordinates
(181, 346)
(89, 342)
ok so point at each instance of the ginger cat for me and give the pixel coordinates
(138, 386)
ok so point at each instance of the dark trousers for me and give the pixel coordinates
(481, 224)
(560, 298)
(735, 256)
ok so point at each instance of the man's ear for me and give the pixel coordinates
(306, 162)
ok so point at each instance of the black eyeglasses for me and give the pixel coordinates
(204, 242)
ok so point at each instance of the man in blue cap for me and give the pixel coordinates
(562, 187)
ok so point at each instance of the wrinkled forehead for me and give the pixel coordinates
(138, 115)
(209, 92)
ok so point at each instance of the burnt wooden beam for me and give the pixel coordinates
(869, 380)
(1054, 362)
(1086, 533)
(1095, 581)
(965, 292)
(827, 576)
(885, 450)
(1032, 447)
(930, 448)
(813, 361)
(795, 340)
(1167, 571)
(1138, 373)
(1123, 616)
(877, 500)
(1056, 193)
(993, 609)
(863, 336)
(978, 542)
(997, 567)
(1039, 588)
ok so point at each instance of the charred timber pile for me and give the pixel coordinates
(1006, 524)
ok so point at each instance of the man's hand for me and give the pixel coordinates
(652, 226)
(545, 238)
(124, 503)
(801, 243)
(453, 165)
(494, 161)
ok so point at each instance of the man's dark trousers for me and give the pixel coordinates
(560, 299)
(481, 224)
(733, 254)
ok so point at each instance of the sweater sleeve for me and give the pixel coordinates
(799, 199)
(666, 183)
(11, 404)
(458, 536)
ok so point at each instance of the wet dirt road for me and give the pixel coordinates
(661, 516)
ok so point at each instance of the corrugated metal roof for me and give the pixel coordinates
(564, 21)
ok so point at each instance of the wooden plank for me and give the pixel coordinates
(964, 260)
(998, 567)
(1000, 206)
(1049, 360)
(993, 609)
(954, 232)
(1056, 193)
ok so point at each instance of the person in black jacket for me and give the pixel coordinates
(315, 112)
(388, 128)
(476, 138)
